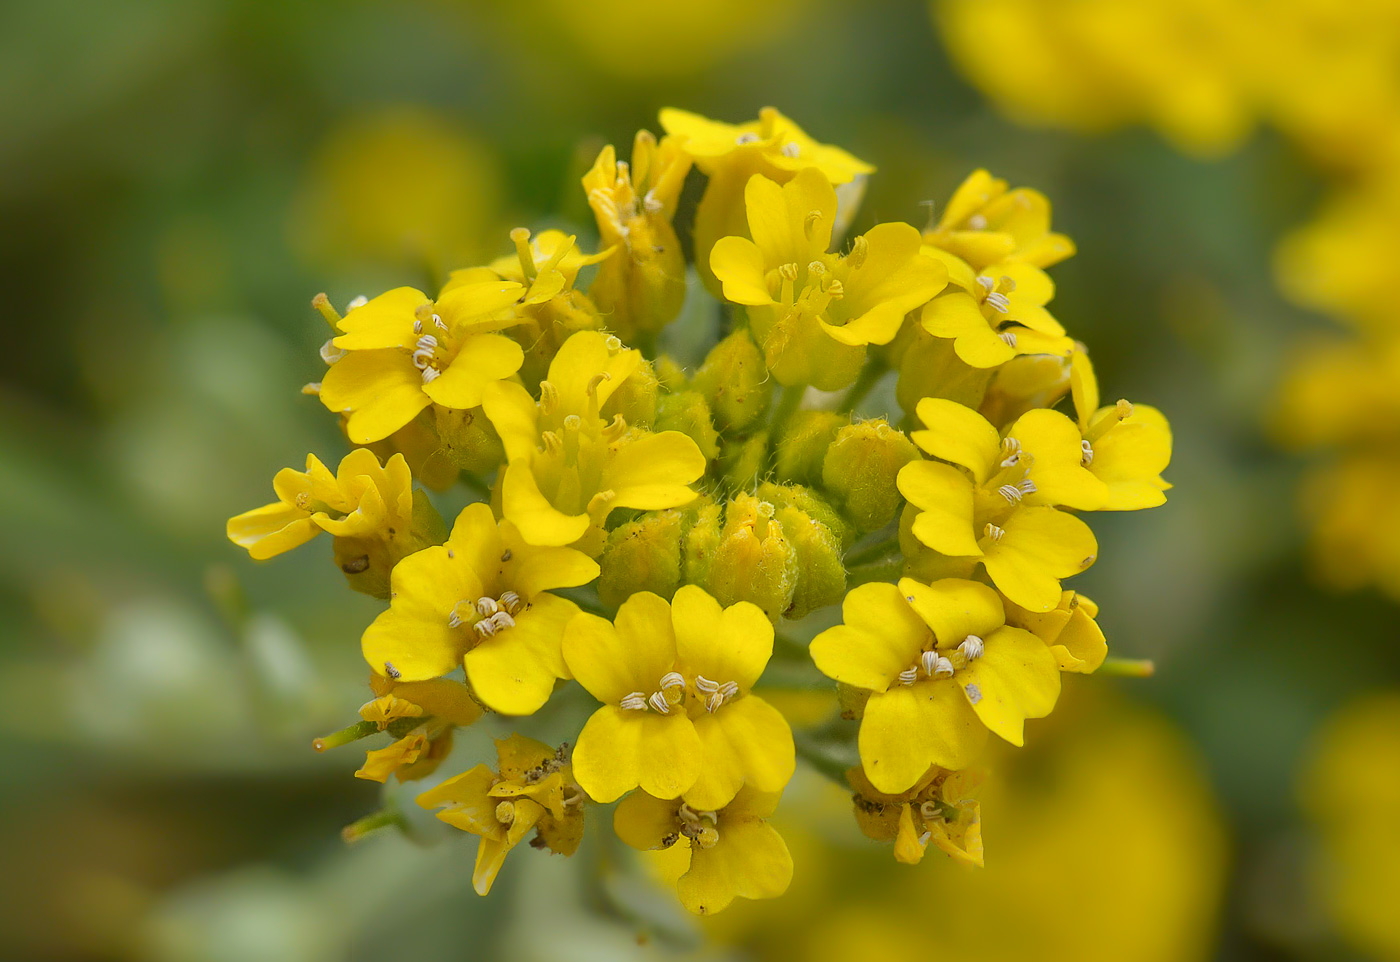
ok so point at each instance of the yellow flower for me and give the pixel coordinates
(942, 667)
(721, 652)
(992, 510)
(940, 808)
(734, 852)
(985, 224)
(812, 312)
(996, 313)
(642, 287)
(678, 713)
(568, 467)
(550, 310)
(482, 600)
(406, 351)
(1125, 446)
(730, 154)
(533, 788)
(370, 509)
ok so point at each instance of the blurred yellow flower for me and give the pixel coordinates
(985, 223)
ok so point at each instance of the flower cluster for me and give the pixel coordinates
(651, 532)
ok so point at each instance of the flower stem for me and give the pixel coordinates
(869, 376)
(1128, 667)
(788, 403)
(361, 829)
(890, 569)
(345, 736)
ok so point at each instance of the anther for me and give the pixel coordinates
(437, 322)
(672, 679)
(659, 703)
(930, 812)
(792, 149)
(357, 301)
(330, 353)
(809, 223)
(511, 602)
(486, 607)
(1087, 458)
(417, 326)
(431, 374)
(1010, 492)
(501, 620)
(972, 647)
(987, 283)
(746, 138)
(635, 701)
(1124, 409)
(860, 247)
(1010, 451)
(993, 532)
(652, 204)
(998, 302)
(908, 676)
(1009, 337)
(977, 222)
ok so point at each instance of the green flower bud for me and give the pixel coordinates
(642, 555)
(636, 398)
(818, 534)
(860, 467)
(930, 368)
(467, 440)
(803, 442)
(367, 562)
(754, 561)
(689, 413)
(809, 502)
(701, 539)
(1025, 382)
(735, 382)
(671, 375)
(742, 461)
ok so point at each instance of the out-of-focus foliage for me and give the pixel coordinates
(168, 219)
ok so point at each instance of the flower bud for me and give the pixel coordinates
(635, 398)
(754, 561)
(467, 439)
(803, 444)
(859, 470)
(818, 535)
(642, 555)
(689, 413)
(1025, 382)
(735, 382)
(742, 461)
(930, 368)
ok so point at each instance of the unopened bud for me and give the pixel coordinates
(689, 413)
(802, 445)
(468, 439)
(735, 382)
(754, 560)
(367, 561)
(860, 468)
(929, 367)
(1023, 383)
(635, 398)
(642, 555)
(703, 523)
(743, 461)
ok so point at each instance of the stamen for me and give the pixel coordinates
(437, 322)
(512, 602)
(993, 532)
(1010, 451)
(908, 676)
(930, 812)
(977, 222)
(431, 374)
(987, 283)
(359, 300)
(1010, 492)
(486, 607)
(860, 247)
(672, 679)
(788, 272)
(998, 302)
(746, 138)
(1026, 486)
(972, 647)
(1087, 457)
(636, 701)
(659, 703)
(501, 620)
(1009, 337)
(549, 397)
(330, 353)
(792, 150)
(809, 224)
(652, 204)
(417, 326)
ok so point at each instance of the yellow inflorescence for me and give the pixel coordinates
(655, 534)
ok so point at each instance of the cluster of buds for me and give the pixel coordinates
(654, 534)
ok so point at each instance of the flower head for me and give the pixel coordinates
(942, 667)
(941, 808)
(481, 600)
(813, 312)
(568, 466)
(985, 223)
(734, 852)
(996, 313)
(405, 351)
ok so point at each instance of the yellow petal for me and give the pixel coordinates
(910, 727)
(955, 608)
(1054, 445)
(957, 433)
(1016, 678)
(414, 635)
(532, 569)
(271, 529)
(382, 390)
(619, 750)
(1129, 458)
(483, 358)
(1084, 387)
(746, 741)
(723, 644)
(646, 822)
(791, 224)
(944, 496)
(479, 306)
(442, 698)
(513, 672)
(738, 263)
(491, 853)
(514, 415)
(750, 861)
(654, 472)
(612, 661)
(539, 521)
(580, 360)
(384, 321)
(881, 637)
(1040, 546)
(907, 847)
(957, 315)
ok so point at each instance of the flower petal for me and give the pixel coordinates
(515, 416)
(654, 472)
(779, 216)
(1053, 443)
(910, 727)
(1016, 678)
(645, 822)
(381, 390)
(1039, 547)
(414, 635)
(750, 861)
(738, 263)
(955, 608)
(383, 321)
(619, 750)
(723, 644)
(881, 637)
(482, 359)
(745, 741)
(538, 521)
(271, 529)
(944, 496)
(957, 433)
(614, 660)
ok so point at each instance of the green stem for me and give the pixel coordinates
(889, 570)
(878, 551)
(361, 829)
(345, 736)
(788, 403)
(869, 376)
(1128, 667)
(821, 758)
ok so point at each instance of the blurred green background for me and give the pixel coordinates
(178, 179)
